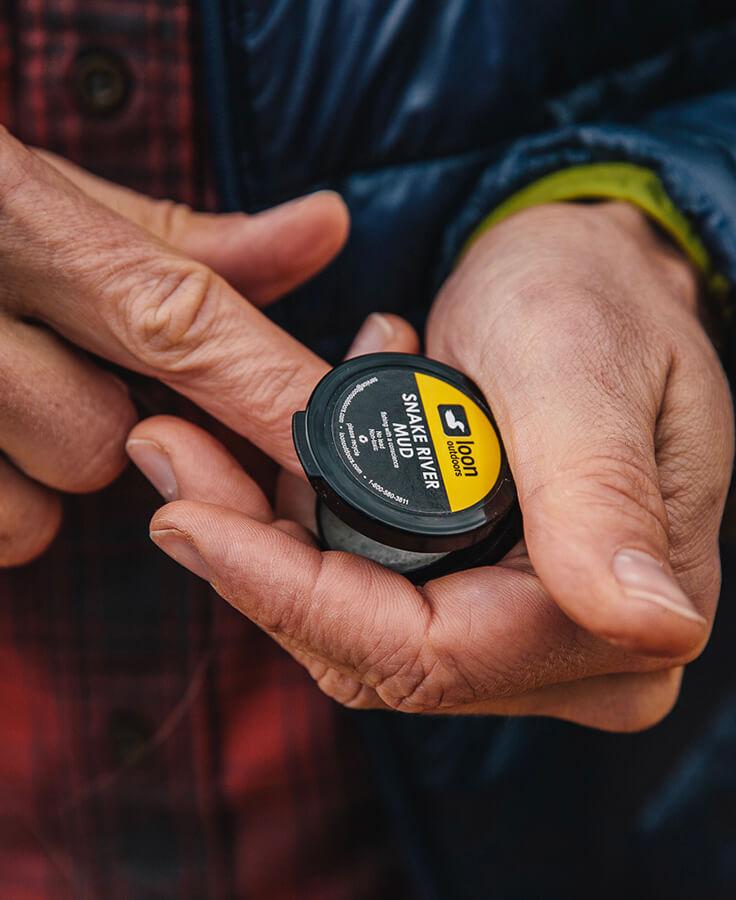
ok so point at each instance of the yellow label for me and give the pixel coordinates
(465, 442)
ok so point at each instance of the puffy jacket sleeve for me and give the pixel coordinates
(690, 147)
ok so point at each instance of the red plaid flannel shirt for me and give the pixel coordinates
(153, 743)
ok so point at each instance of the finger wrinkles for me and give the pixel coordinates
(406, 675)
(351, 629)
(499, 635)
(698, 570)
(418, 687)
(619, 481)
(270, 385)
(356, 632)
(343, 689)
(119, 292)
(695, 458)
(694, 505)
(166, 314)
(252, 387)
(278, 603)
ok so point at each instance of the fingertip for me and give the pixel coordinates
(603, 558)
(332, 206)
(328, 204)
(648, 629)
(326, 221)
(269, 253)
(30, 519)
(405, 338)
(178, 515)
(384, 333)
(646, 613)
(182, 550)
(241, 553)
(291, 243)
(184, 462)
(324, 210)
(642, 576)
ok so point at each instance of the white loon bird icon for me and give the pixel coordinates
(452, 423)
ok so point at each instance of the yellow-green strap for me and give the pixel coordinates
(614, 181)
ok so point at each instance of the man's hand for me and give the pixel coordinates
(132, 280)
(580, 325)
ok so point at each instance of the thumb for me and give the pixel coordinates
(268, 254)
(596, 526)
(263, 255)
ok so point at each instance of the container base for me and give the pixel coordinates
(335, 534)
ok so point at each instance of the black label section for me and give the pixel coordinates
(383, 439)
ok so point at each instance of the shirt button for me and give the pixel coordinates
(100, 81)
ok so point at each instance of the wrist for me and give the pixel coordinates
(668, 260)
(544, 261)
(643, 189)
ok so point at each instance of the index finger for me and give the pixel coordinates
(116, 291)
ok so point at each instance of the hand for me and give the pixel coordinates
(580, 326)
(85, 264)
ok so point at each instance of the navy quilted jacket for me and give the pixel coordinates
(424, 115)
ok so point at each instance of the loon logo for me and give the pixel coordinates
(454, 421)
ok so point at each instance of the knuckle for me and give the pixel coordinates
(592, 348)
(617, 480)
(416, 686)
(288, 619)
(346, 690)
(446, 668)
(594, 336)
(169, 220)
(422, 678)
(168, 318)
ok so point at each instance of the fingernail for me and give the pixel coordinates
(375, 334)
(642, 577)
(173, 543)
(155, 464)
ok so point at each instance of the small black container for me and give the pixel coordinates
(409, 469)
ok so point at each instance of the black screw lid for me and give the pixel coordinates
(405, 450)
